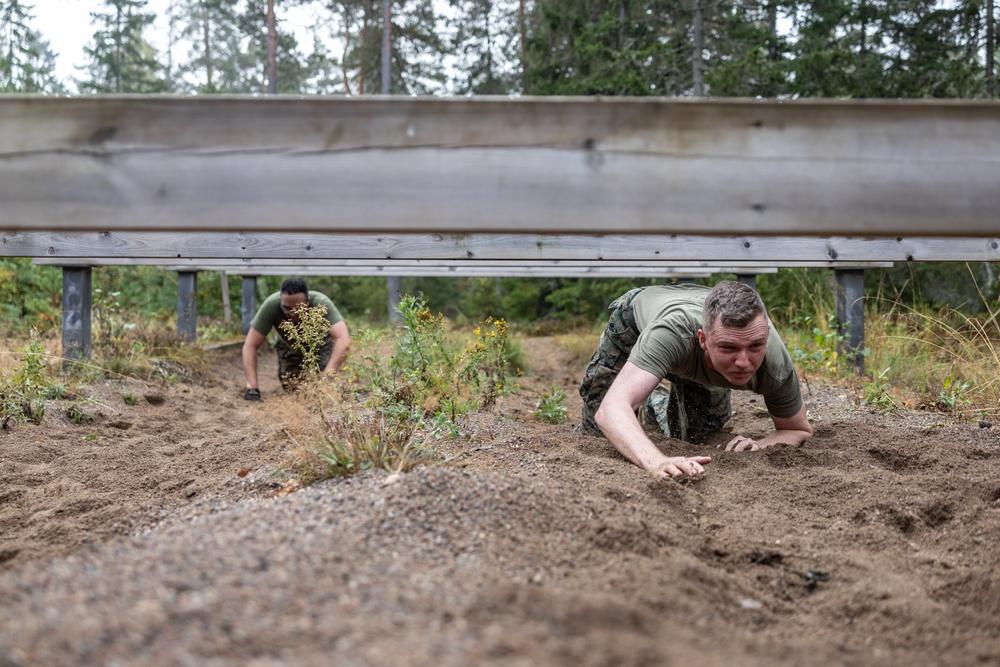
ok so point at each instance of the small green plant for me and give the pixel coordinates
(876, 393)
(487, 361)
(953, 394)
(818, 351)
(308, 334)
(551, 406)
(23, 393)
(354, 443)
(130, 398)
(79, 415)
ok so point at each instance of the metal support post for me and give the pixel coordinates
(187, 305)
(76, 312)
(851, 315)
(248, 302)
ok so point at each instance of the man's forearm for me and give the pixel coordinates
(623, 430)
(337, 356)
(250, 366)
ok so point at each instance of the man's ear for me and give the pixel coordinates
(703, 340)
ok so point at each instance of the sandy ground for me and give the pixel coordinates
(156, 536)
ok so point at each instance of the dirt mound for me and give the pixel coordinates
(155, 535)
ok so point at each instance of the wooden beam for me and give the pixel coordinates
(695, 248)
(291, 265)
(498, 165)
(470, 271)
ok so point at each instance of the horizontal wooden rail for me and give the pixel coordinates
(470, 271)
(708, 250)
(498, 165)
(291, 265)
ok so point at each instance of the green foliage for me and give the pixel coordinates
(307, 335)
(876, 393)
(799, 296)
(953, 394)
(23, 393)
(400, 391)
(130, 398)
(121, 60)
(817, 349)
(428, 369)
(79, 414)
(29, 295)
(551, 406)
(354, 442)
(27, 63)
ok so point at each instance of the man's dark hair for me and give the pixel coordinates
(734, 303)
(295, 286)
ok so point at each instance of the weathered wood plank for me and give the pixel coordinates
(707, 250)
(474, 271)
(528, 165)
(290, 265)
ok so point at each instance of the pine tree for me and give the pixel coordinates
(487, 46)
(121, 61)
(218, 60)
(27, 64)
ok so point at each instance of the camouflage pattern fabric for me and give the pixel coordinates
(681, 409)
(290, 368)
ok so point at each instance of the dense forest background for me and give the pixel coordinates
(675, 48)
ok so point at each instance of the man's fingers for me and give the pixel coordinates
(741, 443)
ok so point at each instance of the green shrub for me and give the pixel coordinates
(23, 393)
(551, 406)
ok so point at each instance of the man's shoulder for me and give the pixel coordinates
(318, 298)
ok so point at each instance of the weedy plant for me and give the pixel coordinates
(551, 406)
(24, 391)
(403, 389)
(876, 393)
(307, 335)
(950, 361)
(816, 349)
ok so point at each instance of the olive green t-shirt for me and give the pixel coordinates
(270, 315)
(668, 318)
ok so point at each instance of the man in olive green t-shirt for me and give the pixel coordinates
(279, 307)
(705, 343)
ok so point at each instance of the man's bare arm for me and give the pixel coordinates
(617, 420)
(250, 346)
(341, 344)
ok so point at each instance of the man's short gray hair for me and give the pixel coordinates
(735, 303)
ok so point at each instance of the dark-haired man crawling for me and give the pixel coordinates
(279, 307)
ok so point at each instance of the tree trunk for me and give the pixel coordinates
(207, 40)
(697, 62)
(272, 51)
(386, 47)
(772, 30)
(991, 81)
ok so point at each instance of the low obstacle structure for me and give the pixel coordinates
(711, 183)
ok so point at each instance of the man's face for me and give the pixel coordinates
(288, 304)
(736, 353)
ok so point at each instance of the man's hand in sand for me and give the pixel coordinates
(682, 466)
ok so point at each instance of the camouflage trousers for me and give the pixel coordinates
(290, 369)
(680, 408)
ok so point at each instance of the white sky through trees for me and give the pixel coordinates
(67, 26)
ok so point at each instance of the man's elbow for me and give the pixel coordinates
(601, 418)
